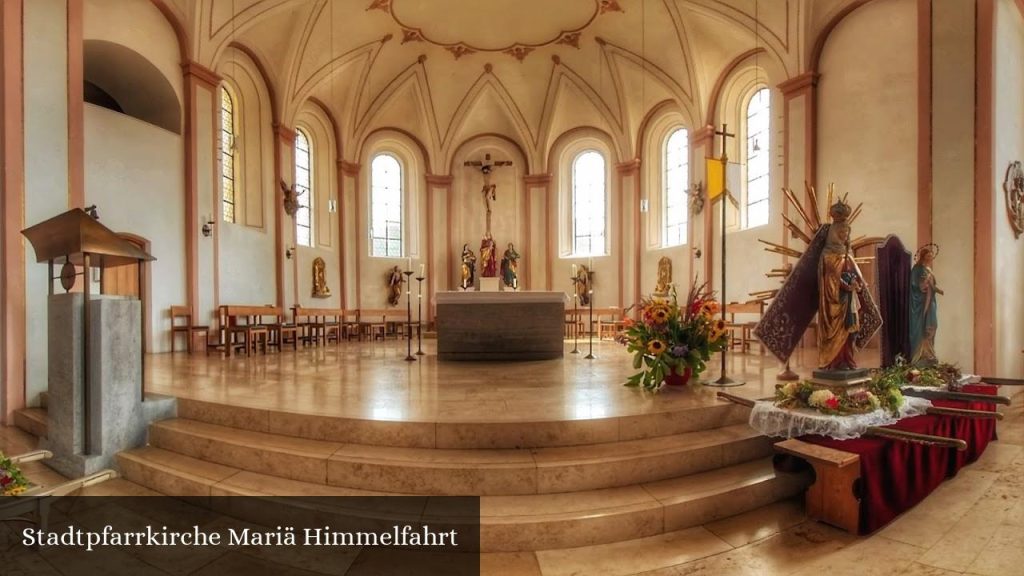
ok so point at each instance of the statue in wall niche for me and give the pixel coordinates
(584, 284)
(395, 281)
(664, 276)
(468, 267)
(1013, 188)
(510, 267)
(697, 198)
(488, 257)
(320, 289)
(924, 319)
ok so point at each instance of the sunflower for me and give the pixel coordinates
(660, 315)
(709, 308)
(656, 347)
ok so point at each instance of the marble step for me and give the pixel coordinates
(35, 421)
(513, 434)
(514, 523)
(478, 472)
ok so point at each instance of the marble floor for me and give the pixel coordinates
(372, 381)
(973, 524)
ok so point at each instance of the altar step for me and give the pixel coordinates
(34, 421)
(468, 435)
(475, 471)
(517, 522)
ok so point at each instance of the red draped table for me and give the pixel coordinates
(896, 475)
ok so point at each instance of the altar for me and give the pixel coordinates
(500, 325)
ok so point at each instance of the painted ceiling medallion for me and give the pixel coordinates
(506, 26)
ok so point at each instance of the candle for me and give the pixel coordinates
(423, 270)
(574, 270)
(409, 264)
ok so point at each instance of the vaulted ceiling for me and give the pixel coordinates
(446, 70)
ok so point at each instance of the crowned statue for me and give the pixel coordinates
(924, 319)
(840, 290)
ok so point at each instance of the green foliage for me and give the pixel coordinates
(672, 336)
(12, 481)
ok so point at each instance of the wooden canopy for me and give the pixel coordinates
(74, 233)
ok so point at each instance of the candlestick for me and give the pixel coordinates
(590, 292)
(575, 314)
(408, 318)
(419, 314)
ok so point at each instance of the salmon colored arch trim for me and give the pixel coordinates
(716, 91)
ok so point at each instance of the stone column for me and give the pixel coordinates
(351, 240)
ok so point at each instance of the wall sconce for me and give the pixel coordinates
(332, 206)
(289, 252)
(208, 227)
(697, 253)
(91, 211)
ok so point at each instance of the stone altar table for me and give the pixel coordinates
(500, 325)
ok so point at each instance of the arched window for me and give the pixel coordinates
(385, 206)
(303, 189)
(675, 187)
(227, 155)
(758, 187)
(588, 204)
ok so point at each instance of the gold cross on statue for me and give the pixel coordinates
(489, 190)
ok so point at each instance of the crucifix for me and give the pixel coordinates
(489, 189)
(724, 379)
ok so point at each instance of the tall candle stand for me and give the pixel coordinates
(575, 318)
(590, 332)
(419, 316)
(408, 318)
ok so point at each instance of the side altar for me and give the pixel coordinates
(500, 325)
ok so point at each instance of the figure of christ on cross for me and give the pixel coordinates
(489, 189)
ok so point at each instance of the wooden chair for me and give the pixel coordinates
(188, 329)
(610, 321)
(742, 333)
(350, 324)
(280, 332)
(373, 324)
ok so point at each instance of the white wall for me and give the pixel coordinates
(867, 116)
(46, 164)
(134, 175)
(1009, 146)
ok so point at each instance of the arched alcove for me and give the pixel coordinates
(133, 82)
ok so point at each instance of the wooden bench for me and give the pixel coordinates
(832, 498)
(320, 324)
(373, 323)
(247, 322)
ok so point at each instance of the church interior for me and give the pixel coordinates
(397, 247)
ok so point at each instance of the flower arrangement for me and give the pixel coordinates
(902, 373)
(12, 482)
(805, 395)
(673, 337)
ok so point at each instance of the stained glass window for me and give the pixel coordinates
(227, 154)
(758, 187)
(385, 206)
(676, 186)
(588, 204)
(303, 189)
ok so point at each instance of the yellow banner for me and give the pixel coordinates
(716, 178)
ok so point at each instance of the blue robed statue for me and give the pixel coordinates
(924, 318)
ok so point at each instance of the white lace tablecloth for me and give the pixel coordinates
(770, 420)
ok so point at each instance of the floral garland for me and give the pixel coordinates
(902, 373)
(12, 481)
(673, 337)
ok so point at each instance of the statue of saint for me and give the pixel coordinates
(488, 257)
(923, 306)
(664, 276)
(395, 282)
(510, 267)
(320, 289)
(839, 285)
(468, 267)
(584, 277)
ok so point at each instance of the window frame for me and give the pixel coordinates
(304, 192)
(574, 238)
(229, 150)
(666, 168)
(764, 153)
(386, 238)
